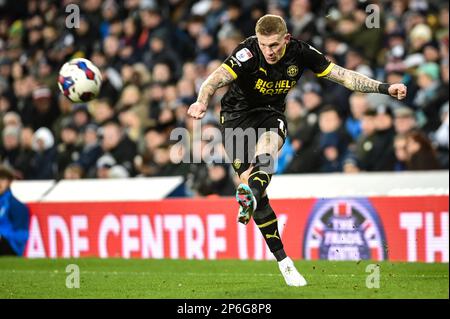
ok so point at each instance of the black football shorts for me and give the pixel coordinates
(241, 132)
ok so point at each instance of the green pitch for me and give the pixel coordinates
(225, 279)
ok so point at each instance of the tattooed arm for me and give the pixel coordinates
(219, 78)
(358, 82)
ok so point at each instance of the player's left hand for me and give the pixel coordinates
(398, 91)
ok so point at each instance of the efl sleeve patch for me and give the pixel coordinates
(244, 55)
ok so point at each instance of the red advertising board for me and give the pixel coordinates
(379, 228)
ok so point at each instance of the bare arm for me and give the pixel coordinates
(219, 78)
(358, 82)
(353, 80)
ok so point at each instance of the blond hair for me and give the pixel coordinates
(271, 24)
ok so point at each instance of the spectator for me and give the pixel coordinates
(383, 150)
(154, 55)
(5, 107)
(361, 156)
(103, 111)
(405, 120)
(84, 36)
(420, 153)
(133, 112)
(118, 146)
(162, 73)
(10, 150)
(333, 140)
(65, 113)
(441, 138)
(165, 165)
(107, 168)
(80, 116)
(306, 140)
(401, 154)
(160, 52)
(43, 112)
(152, 23)
(24, 163)
(294, 112)
(14, 218)
(73, 171)
(43, 162)
(239, 18)
(430, 96)
(217, 181)
(68, 151)
(111, 48)
(358, 106)
(91, 150)
(302, 20)
(145, 164)
(111, 81)
(212, 175)
(214, 16)
(12, 119)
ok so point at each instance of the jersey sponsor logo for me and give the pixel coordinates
(292, 70)
(344, 229)
(244, 55)
(274, 87)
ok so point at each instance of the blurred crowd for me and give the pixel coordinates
(154, 55)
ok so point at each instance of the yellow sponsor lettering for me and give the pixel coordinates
(259, 84)
(270, 88)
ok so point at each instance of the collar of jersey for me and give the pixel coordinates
(284, 51)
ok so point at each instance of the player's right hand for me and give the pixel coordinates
(197, 110)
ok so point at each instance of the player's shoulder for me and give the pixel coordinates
(298, 45)
(250, 42)
(247, 49)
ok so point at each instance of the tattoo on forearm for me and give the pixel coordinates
(215, 80)
(353, 80)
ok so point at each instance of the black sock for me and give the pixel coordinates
(260, 175)
(266, 220)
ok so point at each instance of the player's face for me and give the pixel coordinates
(273, 46)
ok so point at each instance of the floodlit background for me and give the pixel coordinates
(99, 181)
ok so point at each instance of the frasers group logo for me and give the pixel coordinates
(344, 229)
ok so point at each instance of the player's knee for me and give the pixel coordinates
(265, 162)
(269, 142)
(244, 176)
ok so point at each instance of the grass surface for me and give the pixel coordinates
(224, 279)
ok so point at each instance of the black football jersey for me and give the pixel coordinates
(259, 85)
